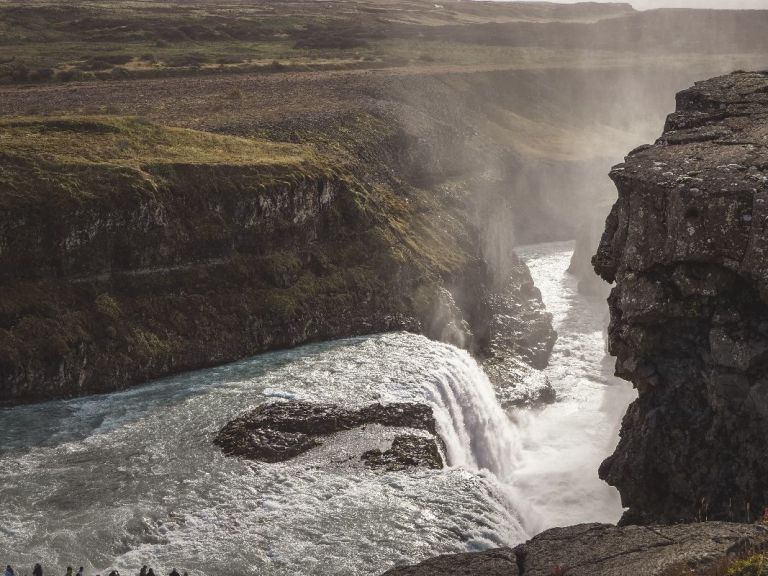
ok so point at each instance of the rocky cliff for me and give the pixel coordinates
(131, 250)
(686, 245)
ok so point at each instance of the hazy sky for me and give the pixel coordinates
(723, 4)
(642, 4)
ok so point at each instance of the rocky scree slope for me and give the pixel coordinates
(687, 246)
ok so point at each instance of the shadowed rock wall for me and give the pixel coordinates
(686, 244)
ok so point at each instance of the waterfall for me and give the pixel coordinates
(477, 432)
(164, 495)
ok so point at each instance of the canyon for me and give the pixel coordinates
(296, 287)
(684, 245)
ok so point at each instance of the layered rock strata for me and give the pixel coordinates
(687, 245)
(130, 250)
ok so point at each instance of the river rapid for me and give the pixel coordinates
(132, 478)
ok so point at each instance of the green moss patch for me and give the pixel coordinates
(134, 142)
(756, 565)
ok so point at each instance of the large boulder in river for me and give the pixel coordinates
(687, 245)
(282, 430)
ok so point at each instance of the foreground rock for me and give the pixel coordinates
(607, 550)
(497, 562)
(686, 244)
(283, 430)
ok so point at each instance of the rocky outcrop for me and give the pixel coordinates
(607, 550)
(519, 340)
(407, 451)
(282, 430)
(686, 244)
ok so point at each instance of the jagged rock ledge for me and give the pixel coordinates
(606, 550)
(686, 244)
(282, 430)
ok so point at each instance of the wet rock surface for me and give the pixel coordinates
(520, 338)
(607, 550)
(407, 451)
(686, 244)
(282, 430)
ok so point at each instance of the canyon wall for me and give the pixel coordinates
(410, 191)
(686, 245)
(129, 251)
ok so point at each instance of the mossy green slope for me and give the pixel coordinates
(130, 250)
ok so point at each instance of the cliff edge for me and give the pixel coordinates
(605, 550)
(686, 245)
(130, 250)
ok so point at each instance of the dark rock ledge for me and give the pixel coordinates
(687, 245)
(282, 430)
(607, 550)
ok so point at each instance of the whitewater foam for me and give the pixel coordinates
(132, 477)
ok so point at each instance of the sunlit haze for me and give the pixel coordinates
(709, 4)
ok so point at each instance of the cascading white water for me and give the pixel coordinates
(564, 443)
(477, 432)
(132, 478)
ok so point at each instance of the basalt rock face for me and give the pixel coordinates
(520, 338)
(606, 550)
(686, 244)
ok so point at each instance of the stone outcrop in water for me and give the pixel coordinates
(407, 451)
(519, 337)
(607, 550)
(687, 245)
(282, 430)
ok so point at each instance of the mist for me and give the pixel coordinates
(702, 4)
